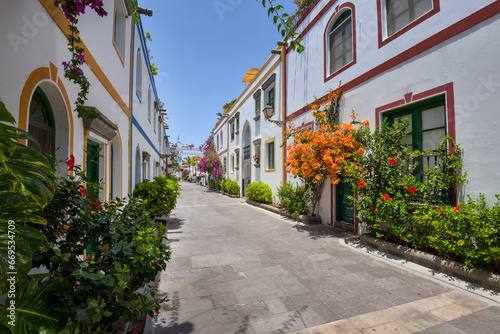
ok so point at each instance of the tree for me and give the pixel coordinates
(317, 155)
(210, 162)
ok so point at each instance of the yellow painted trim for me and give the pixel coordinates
(33, 80)
(233, 109)
(130, 107)
(273, 140)
(61, 21)
(39, 74)
(283, 114)
(53, 72)
(121, 163)
(113, 38)
(84, 164)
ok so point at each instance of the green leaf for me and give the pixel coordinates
(34, 304)
(26, 240)
(5, 115)
(83, 314)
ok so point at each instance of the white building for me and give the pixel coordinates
(435, 61)
(148, 133)
(42, 100)
(250, 147)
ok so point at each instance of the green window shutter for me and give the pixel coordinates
(92, 161)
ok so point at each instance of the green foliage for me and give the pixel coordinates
(260, 192)
(212, 184)
(26, 178)
(395, 205)
(159, 197)
(293, 199)
(124, 252)
(33, 305)
(232, 187)
(286, 24)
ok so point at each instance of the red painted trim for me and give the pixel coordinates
(306, 14)
(331, 204)
(221, 153)
(381, 42)
(217, 128)
(453, 30)
(305, 125)
(314, 21)
(446, 89)
(326, 59)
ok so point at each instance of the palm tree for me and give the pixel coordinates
(189, 161)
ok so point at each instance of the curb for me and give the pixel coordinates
(449, 267)
(303, 219)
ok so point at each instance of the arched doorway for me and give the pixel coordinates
(246, 166)
(41, 123)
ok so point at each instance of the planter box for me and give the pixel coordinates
(303, 219)
(450, 267)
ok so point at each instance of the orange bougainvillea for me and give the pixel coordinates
(317, 155)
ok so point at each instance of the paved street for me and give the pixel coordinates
(239, 269)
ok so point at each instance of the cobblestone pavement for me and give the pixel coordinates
(238, 269)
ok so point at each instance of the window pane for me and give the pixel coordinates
(270, 155)
(431, 139)
(421, 7)
(400, 13)
(401, 119)
(341, 43)
(433, 118)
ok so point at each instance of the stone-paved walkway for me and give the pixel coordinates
(238, 269)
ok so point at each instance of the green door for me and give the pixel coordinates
(92, 161)
(345, 209)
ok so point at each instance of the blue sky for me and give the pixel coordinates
(203, 49)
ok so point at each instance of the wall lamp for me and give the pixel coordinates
(275, 52)
(268, 112)
(145, 11)
(282, 43)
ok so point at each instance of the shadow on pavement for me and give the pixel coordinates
(321, 231)
(174, 223)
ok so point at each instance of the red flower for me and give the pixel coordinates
(412, 190)
(457, 209)
(438, 209)
(84, 192)
(386, 197)
(95, 205)
(157, 311)
(134, 330)
(155, 262)
(71, 163)
(374, 208)
(392, 161)
(362, 185)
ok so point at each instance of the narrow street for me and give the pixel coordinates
(239, 269)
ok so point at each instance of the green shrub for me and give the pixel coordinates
(232, 187)
(293, 198)
(159, 197)
(260, 192)
(212, 184)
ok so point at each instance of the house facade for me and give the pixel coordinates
(251, 147)
(434, 62)
(147, 125)
(42, 100)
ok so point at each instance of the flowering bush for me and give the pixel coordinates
(318, 155)
(260, 192)
(210, 162)
(123, 253)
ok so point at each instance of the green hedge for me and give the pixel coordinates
(260, 192)
(292, 198)
(232, 187)
(159, 196)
